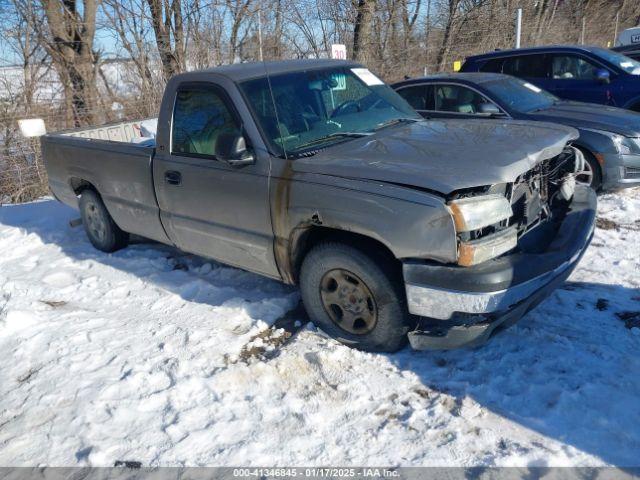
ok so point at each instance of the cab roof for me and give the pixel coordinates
(239, 72)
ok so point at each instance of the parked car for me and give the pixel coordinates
(631, 51)
(609, 137)
(317, 173)
(574, 72)
(629, 36)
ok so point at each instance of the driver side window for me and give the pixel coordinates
(200, 115)
(454, 98)
(571, 67)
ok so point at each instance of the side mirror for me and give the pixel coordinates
(231, 147)
(603, 76)
(489, 109)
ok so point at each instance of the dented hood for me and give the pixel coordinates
(443, 155)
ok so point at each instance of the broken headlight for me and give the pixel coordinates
(475, 213)
(485, 248)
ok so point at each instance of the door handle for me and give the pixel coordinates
(173, 177)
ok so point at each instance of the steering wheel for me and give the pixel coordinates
(340, 109)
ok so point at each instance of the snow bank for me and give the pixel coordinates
(137, 355)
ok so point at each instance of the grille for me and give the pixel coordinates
(631, 172)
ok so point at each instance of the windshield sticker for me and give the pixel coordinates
(367, 77)
(340, 80)
(626, 64)
(533, 87)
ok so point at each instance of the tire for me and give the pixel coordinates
(332, 276)
(595, 181)
(102, 231)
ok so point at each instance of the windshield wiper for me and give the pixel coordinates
(395, 121)
(333, 135)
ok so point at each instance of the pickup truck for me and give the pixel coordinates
(316, 173)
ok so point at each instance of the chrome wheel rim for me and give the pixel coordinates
(348, 301)
(585, 177)
(95, 223)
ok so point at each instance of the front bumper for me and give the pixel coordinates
(464, 306)
(620, 171)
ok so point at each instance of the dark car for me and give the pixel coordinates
(631, 51)
(609, 136)
(582, 73)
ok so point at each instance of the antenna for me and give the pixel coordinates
(275, 108)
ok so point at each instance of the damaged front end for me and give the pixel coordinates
(490, 221)
(516, 242)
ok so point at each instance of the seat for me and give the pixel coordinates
(205, 141)
(465, 101)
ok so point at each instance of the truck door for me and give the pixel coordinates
(208, 206)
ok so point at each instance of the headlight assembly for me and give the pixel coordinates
(626, 145)
(486, 248)
(473, 213)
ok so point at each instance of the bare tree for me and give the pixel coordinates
(362, 30)
(129, 22)
(19, 31)
(68, 34)
(167, 21)
(239, 11)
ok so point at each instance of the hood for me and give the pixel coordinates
(443, 155)
(589, 115)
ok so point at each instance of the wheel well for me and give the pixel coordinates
(80, 184)
(634, 105)
(315, 235)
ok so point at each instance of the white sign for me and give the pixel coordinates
(32, 127)
(533, 87)
(341, 81)
(339, 51)
(367, 77)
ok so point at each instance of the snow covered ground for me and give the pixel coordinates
(155, 356)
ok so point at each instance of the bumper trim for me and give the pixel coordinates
(435, 337)
(443, 304)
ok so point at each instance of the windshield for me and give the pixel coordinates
(318, 107)
(627, 64)
(519, 95)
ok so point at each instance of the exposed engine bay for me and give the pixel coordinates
(545, 191)
(540, 196)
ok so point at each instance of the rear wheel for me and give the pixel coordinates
(357, 300)
(102, 231)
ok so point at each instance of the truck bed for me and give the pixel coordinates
(128, 132)
(115, 160)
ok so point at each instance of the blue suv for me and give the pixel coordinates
(574, 72)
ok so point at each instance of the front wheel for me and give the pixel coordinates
(356, 300)
(102, 231)
(591, 176)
